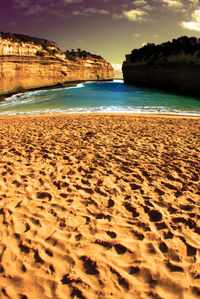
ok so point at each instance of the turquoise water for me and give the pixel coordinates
(100, 97)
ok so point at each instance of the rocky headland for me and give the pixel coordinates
(172, 66)
(31, 63)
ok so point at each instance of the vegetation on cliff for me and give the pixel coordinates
(14, 37)
(153, 53)
(47, 46)
(81, 54)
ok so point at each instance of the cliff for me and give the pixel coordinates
(29, 63)
(172, 66)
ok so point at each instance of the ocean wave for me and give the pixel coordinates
(118, 81)
(20, 97)
(110, 109)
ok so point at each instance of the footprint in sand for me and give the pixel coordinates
(62, 222)
(131, 209)
(134, 270)
(89, 265)
(113, 235)
(159, 191)
(19, 204)
(78, 237)
(111, 203)
(138, 235)
(51, 268)
(103, 216)
(121, 280)
(23, 269)
(76, 293)
(191, 251)
(24, 248)
(105, 244)
(43, 195)
(63, 195)
(163, 247)
(68, 280)
(168, 235)
(37, 258)
(134, 186)
(16, 183)
(151, 248)
(174, 268)
(49, 252)
(120, 249)
(155, 215)
(196, 291)
(160, 225)
(187, 207)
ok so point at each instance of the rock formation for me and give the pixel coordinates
(29, 63)
(173, 66)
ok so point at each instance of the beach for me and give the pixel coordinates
(99, 206)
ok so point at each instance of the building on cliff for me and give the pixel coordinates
(29, 63)
(172, 66)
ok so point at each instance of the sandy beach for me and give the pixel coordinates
(99, 206)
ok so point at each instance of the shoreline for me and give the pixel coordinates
(125, 114)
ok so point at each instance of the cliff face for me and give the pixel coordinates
(29, 63)
(172, 66)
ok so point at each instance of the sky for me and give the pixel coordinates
(110, 28)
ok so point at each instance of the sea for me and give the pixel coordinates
(100, 97)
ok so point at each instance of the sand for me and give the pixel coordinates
(99, 206)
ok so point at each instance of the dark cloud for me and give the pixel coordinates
(90, 11)
(34, 9)
(22, 3)
(72, 1)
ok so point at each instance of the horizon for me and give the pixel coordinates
(108, 28)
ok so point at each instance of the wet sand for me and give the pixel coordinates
(99, 206)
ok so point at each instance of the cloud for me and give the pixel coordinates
(22, 3)
(35, 9)
(117, 16)
(80, 41)
(136, 15)
(139, 2)
(195, 2)
(50, 7)
(90, 11)
(72, 1)
(194, 24)
(174, 4)
(124, 6)
(148, 7)
(144, 5)
(103, 12)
